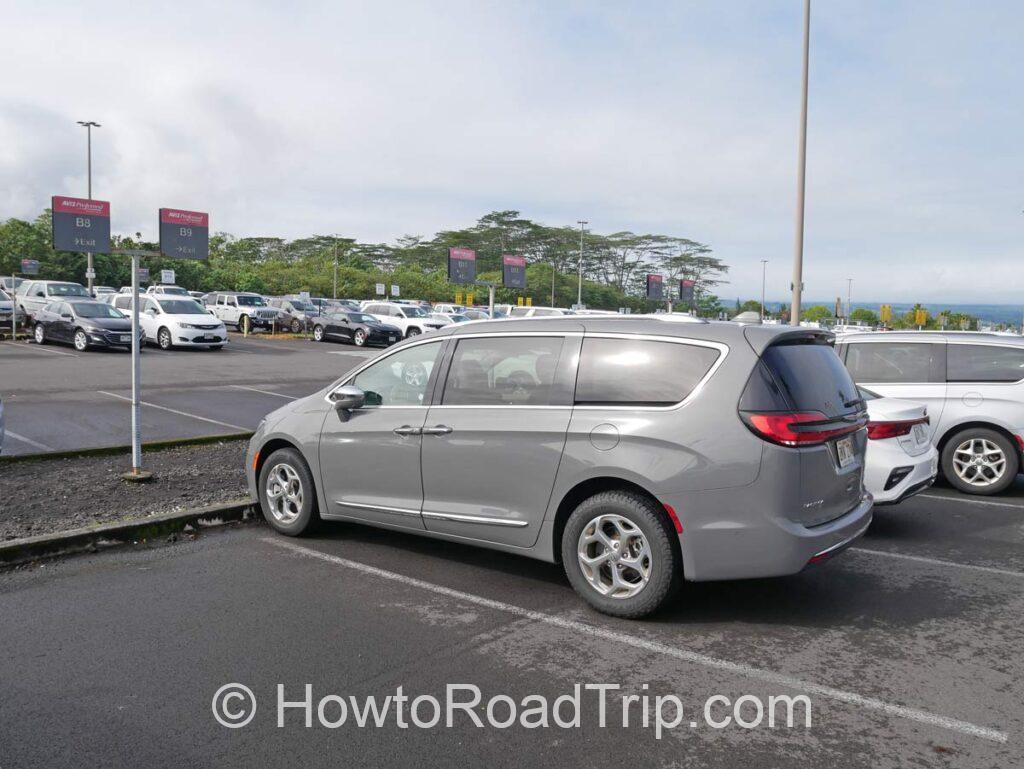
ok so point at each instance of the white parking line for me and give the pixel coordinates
(939, 562)
(970, 501)
(175, 411)
(265, 392)
(39, 348)
(840, 695)
(29, 441)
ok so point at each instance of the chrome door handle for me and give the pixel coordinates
(437, 430)
(407, 430)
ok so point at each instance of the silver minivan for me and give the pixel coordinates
(637, 451)
(973, 386)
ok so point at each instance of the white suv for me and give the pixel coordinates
(973, 386)
(410, 318)
(242, 309)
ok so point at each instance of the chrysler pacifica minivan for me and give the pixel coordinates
(639, 452)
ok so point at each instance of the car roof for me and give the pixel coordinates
(987, 337)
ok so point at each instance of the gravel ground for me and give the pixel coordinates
(48, 495)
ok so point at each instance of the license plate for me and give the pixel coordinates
(126, 337)
(844, 448)
(920, 436)
(392, 338)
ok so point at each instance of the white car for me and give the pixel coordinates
(410, 318)
(538, 312)
(34, 295)
(449, 309)
(901, 460)
(176, 321)
(167, 289)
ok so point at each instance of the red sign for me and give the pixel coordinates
(462, 253)
(514, 261)
(80, 206)
(189, 218)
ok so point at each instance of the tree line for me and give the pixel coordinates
(614, 265)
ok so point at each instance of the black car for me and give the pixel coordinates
(356, 327)
(83, 323)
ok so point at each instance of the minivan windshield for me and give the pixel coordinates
(181, 307)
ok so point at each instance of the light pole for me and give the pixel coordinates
(798, 251)
(764, 269)
(579, 287)
(849, 294)
(335, 266)
(88, 125)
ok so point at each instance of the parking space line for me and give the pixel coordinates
(940, 562)
(265, 392)
(175, 411)
(39, 348)
(970, 501)
(840, 695)
(29, 441)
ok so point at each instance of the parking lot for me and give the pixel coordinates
(58, 399)
(908, 647)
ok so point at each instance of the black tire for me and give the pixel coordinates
(1010, 469)
(666, 566)
(164, 338)
(80, 340)
(318, 333)
(308, 517)
(245, 325)
(296, 326)
(359, 338)
(412, 332)
(40, 333)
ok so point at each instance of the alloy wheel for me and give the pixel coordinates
(318, 333)
(614, 556)
(40, 334)
(359, 338)
(81, 341)
(284, 493)
(164, 339)
(979, 462)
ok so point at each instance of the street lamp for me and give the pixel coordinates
(579, 289)
(764, 268)
(798, 251)
(88, 125)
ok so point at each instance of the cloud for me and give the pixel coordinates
(374, 120)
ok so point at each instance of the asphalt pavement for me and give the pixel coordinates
(57, 399)
(907, 646)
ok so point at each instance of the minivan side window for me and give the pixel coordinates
(519, 312)
(895, 362)
(640, 372)
(984, 363)
(400, 379)
(503, 371)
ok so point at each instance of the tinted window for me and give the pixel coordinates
(984, 363)
(614, 371)
(502, 371)
(882, 362)
(67, 289)
(251, 301)
(400, 379)
(88, 310)
(811, 378)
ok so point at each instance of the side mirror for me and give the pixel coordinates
(347, 397)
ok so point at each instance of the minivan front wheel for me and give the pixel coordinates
(619, 554)
(287, 495)
(980, 461)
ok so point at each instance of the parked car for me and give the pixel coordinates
(635, 451)
(10, 283)
(448, 309)
(356, 327)
(34, 295)
(161, 288)
(197, 295)
(901, 460)
(100, 291)
(410, 318)
(299, 313)
(176, 321)
(242, 309)
(537, 312)
(480, 313)
(7, 309)
(83, 323)
(972, 385)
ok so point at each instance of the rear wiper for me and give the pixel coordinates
(854, 402)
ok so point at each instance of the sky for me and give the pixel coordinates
(376, 120)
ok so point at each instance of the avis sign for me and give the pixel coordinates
(81, 225)
(655, 287)
(461, 265)
(184, 234)
(513, 271)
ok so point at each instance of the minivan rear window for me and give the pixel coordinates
(809, 375)
(640, 372)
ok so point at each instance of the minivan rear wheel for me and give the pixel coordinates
(287, 495)
(619, 555)
(980, 461)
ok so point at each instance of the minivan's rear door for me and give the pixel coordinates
(827, 429)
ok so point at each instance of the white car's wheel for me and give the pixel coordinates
(164, 339)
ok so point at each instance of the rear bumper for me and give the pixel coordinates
(925, 469)
(767, 546)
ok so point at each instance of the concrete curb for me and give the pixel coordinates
(102, 451)
(76, 540)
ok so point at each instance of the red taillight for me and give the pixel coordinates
(798, 428)
(881, 430)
